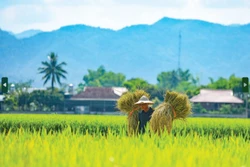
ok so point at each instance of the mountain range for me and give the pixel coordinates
(27, 34)
(206, 49)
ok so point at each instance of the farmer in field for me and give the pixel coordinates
(145, 113)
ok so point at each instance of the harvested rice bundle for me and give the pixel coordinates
(162, 119)
(180, 104)
(133, 124)
(175, 106)
(126, 104)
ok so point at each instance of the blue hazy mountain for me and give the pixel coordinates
(27, 34)
(207, 49)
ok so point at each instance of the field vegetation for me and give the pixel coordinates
(63, 140)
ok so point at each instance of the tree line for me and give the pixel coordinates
(176, 80)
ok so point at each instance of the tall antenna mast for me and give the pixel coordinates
(179, 51)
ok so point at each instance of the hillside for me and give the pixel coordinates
(27, 34)
(208, 50)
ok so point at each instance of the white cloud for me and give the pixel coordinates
(25, 14)
(225, 3)
(115, 14)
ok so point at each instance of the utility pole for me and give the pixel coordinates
(179, 51)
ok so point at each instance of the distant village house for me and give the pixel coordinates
(213, 99)
(1, 102)
(95, 100)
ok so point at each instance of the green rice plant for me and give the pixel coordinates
(217, 127)
(24, 148)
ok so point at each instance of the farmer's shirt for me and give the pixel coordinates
(144, 118)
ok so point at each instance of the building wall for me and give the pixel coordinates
(94, 106)
(1, 106)
(216, 106)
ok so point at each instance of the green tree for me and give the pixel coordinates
(139, 83)
(198, 108)
(92, 78)
(112, 79)
(80, 87)
(225, 109)
(155, 92)
(52, 70)
(44, 100)
(185, 86)
(168, 80)
(136, 83)
(101, 77)
(11, 102)
(184, 75)
(23, 100)
(233, 83)
(171, 79)
(221, 83)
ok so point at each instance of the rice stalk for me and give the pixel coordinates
(162, 119)
(180, 104)
(126, 104)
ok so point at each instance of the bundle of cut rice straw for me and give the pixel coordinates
(175, 106)
(126, 104)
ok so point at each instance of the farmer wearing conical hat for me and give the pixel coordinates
(145, 113)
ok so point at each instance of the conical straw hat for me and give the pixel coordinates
(144, 100)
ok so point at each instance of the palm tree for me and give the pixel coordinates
(52, 70)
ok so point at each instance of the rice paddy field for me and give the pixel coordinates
(101, 141)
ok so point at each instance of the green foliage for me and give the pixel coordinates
(80, 87)
(185, 86)
(215, 128)
(168, 80)
(101, 77)
(110, 79)
(136, 83)
(38, 100)
(11, 102)
(23, 100)
(157, 102)
(197, 108)
(176, 80)
(52, 70)
(45, 99)
(229, 109)
(193, 92)
(225, 109)
(233, 83)
(155, 92)
(171, 79)
(86, 140)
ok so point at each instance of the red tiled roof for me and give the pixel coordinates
(97, 93)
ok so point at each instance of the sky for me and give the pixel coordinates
(47, 15)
